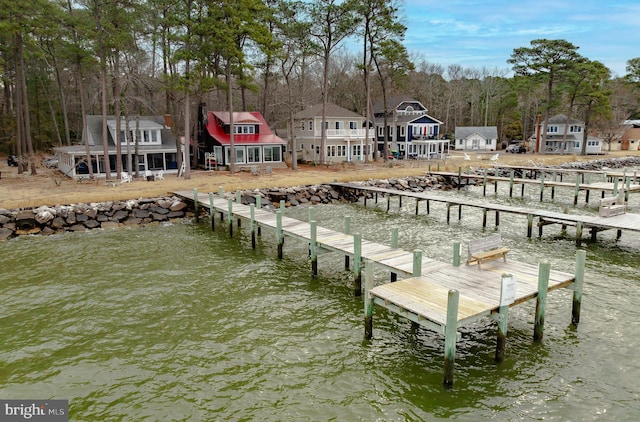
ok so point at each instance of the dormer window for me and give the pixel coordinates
(149, 132)
(244, 129)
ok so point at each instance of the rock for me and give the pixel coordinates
(178, 206)
(5, 233)
(106, 225)
(91, 224)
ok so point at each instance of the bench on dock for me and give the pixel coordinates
(486, 249)
(614, 205)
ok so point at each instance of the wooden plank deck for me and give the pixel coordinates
(425, 296)
(627, 221)
(595, 186)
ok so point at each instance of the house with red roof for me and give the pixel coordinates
(253, 140)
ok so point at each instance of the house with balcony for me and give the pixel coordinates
(254, 142)
(411, 132)
(564, 136)
(345, 135)
(150, 146)
(476, 138)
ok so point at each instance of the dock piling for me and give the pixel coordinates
(417, 263)
(347, 230)
(252, 224)
(541, 300)
(508, 282)
(195, 204)
(357, 264)
(581, 257)
(279, 234)
(451, 336)
(230, 216)
(394, 245)
(211, 213)
(313, 248)
(259, 206)
(456, 254)
(368, 301)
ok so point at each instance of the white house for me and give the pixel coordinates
(476, 138)
(564, 136)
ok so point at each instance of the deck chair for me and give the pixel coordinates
(466, 157)
(495, 157)
(125, 177)
(160, 175)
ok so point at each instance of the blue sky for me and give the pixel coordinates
(484, 33)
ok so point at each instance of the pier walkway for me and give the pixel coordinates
(437, 295)
(623, 222)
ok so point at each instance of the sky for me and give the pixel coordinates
(483, 33)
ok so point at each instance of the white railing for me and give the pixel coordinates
(344, 133)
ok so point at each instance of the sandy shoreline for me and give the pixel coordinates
(50, 187)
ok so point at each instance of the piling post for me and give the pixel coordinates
(282, 205)
(347, 230)
(628, 185)
(399, 202)
(259, 206)
(579, 225)
(417, 205)
(195, 204)
(368, 301)
(459, 177)
(529, 225)
(279, 234)
(581, 257)
(576, 191)
(541, 301)
(238, 197)
(428, 207)
(459, 212)
(456, 254)
(220, 192)
(230, 216)
(507, 294)
(615, 186)
(211, 213)
(541, 185)
(451, 337)
(511, 173)
(388, 202)
(312, 214)
(357, 264)
(313, 249)
(497, 218)
(417, 263)
(252, 224)
(484, 183)
(484, 218)
(394, 245)
(448, 212)
(522, 189)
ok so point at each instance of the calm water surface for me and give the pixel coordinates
(175, 322)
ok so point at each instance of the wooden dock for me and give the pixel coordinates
(427, 297)
(623, 222)
(618, 185)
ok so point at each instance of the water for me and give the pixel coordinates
(173, 322)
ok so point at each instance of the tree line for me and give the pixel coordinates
(61, 60)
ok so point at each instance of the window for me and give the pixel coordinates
(575, 129)
(552, 129)
(338, 125)
(310, 124)
(272, 154)
(301, 125)
(253, 154)
(244, 129)
(401, 130)
(353, 125)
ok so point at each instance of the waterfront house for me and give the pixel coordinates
(476, 138)
(345, 135)
(151, 136)
(254, 142)
(565, 136)
(411, 132)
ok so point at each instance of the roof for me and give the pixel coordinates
(394, 102)
(631, 134)
(216, 120)
(561, 119)
(332, 111)
(487, 132)
(416, 119)
(94, 135)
